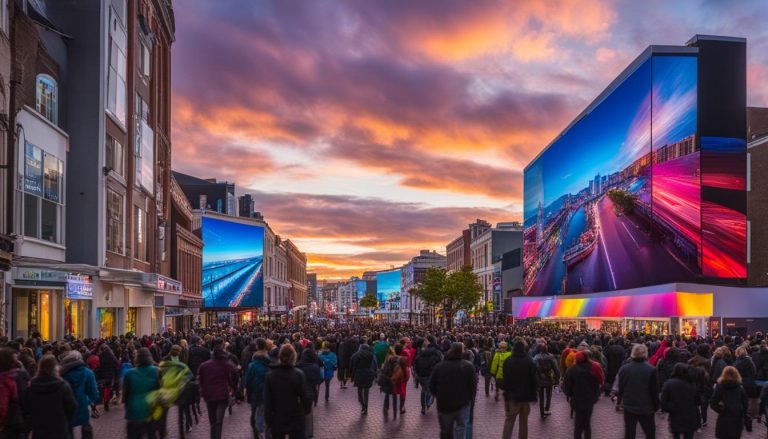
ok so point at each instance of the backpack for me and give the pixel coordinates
(476, 360)
(546, 370)
(385, 377)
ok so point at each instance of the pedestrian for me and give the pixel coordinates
(363, 370)
(15, 379)
(286, 401)
(423, 365)
(638, 390)
(400, 376)
(138, 383)
(582, 385)
(198, 354)
(313, 376)
(748, 374)
(453, 383)
(385, 380)
(174, 377)
(548, 376)
(50, 403)
(520, 385)
(680, 398)
(614, 358)
(330, 364)
(253, 382)
(106, 373)
(346, 350)
(381, 350)
(729, 400)
(497, 366)
(82, 381)
(698, 372)
(217, 383)
(486, 357)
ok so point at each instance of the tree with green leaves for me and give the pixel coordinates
(369, 301)
(456, 291)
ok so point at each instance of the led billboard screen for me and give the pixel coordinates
(233, 254)
(387, 286)
(616, 201)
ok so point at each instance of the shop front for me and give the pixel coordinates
(50, 303)
(652, 313)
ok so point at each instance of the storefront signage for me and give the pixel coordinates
(168, 285)
(35, 274)
(79, 287)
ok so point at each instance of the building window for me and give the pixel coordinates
(42, 185)
(140, 234)
(46, 97)
(114, 153)
(116, 89)
(115, 222)
(4, 16)
(144, 147)
(145, 60)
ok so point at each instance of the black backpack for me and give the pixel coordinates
(546, 370)
(385, 376)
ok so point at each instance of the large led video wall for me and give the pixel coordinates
(233, 256)
(616, 201)
(387, 286)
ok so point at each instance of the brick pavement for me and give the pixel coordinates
(340, 418)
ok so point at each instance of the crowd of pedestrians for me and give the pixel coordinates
(49, 389)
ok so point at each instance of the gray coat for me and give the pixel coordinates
(639, 387)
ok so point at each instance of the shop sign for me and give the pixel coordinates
(79, 287)
(168, 285)
(36, 274)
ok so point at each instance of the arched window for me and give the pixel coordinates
(46, 97)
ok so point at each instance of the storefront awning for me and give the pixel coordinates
(140, 279)
(660, 305)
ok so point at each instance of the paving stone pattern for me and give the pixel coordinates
(341, 418)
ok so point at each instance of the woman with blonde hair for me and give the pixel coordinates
(729, 400)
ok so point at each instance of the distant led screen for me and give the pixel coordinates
(387, 286)
(361, 289)
(233, 253)
(616, 201)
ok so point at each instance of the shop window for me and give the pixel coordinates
(46, 97)
(31, 216)
(45, 315)
(114, 156)
(130, 321)
(106, 322)
(115, 222)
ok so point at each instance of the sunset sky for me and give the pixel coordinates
(367, 130)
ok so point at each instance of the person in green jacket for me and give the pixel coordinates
(380, 350)
(497, 365)
(138, 383)
(174, 376)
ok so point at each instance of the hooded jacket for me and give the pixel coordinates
(330, 362)
(582, 384)
(139, 382)
(216, 377)
(426, 361)
(285, 399)
(729, 400)
(363, 367)
(83, 383)
(254, 379)
(312, 373)
(50, 406)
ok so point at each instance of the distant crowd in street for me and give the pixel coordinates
(51, 388)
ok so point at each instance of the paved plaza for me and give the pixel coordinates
(340, 418)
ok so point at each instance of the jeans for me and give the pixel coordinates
(216, 410)
(545, 392)
(327, 387)
(582, 422)
(647, 424)
(387, 396)
(487, 379)
(258, 424)
(426, 397)
(309, 425)
(512, 410)
(453, 424)
(362, 396)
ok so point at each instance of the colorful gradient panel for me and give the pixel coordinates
(645, 305)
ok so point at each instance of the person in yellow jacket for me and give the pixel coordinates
(497, 365)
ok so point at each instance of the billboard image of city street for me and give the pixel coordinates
(233, 254)
(615, 201)
(387, 286)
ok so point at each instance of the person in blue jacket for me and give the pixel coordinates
(83, 383)
(330, 363)
(253, 382)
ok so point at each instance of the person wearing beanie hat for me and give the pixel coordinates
(82, 380)
(582, 386)
(520, 384)
(638, 389)
(138, 383)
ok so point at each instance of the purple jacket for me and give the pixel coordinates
(216, 377)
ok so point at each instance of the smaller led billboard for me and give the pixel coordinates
(233, 254)
(387, 286)
(361, 289)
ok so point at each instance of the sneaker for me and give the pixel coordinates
(547, 413)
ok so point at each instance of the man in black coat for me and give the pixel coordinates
(363, 370)
(520, 386)
(582, 387)
(614, 357)
(423, 365)
(346, 350)
(453, 383)
(197, 355)
(286, 399)
(639, 393)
